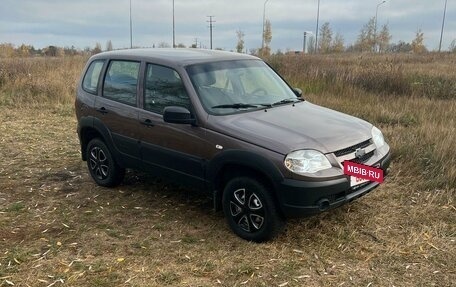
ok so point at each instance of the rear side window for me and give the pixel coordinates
(121, 81)
(90, 82)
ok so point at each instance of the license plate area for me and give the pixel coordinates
(354, 181)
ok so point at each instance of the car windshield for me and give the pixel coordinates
(228, 87)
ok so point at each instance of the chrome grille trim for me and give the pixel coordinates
(352, 149)
(351, 156)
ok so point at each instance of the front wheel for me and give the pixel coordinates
(250, 210)
(102, 166)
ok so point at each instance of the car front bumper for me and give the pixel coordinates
(302, 198)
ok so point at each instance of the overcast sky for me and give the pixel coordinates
(82, 23)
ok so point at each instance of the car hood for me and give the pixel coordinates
(292, 127)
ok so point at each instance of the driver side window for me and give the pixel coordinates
(163, 88)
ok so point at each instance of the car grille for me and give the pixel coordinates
(364, 158)
(352, 148)
(349, 152)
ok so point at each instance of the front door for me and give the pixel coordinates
(175, 149)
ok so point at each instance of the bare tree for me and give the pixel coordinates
(383, 39)
(418, 43)
(97, 49)
(400, 47)
(60, 52)
(70, 51)
(163, 45)
(240, 41)
(254, 51)
(266, 50)
(24, 50)
(337, 45)
(366, 38)
(324, 45)
(452, 47)
(6, 50)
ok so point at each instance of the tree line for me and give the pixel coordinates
(370, 39)
(8, 50)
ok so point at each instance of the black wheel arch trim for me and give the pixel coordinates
(98, 126)
(243, 158)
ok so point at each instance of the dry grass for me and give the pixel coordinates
(37, 81)
(412, 98)
(58, 226)
(430, 75)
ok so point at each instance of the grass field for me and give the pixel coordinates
(57, 228)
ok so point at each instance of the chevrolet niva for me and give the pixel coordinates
(226, 123)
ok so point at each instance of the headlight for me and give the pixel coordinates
(377, 137)
(306, 161)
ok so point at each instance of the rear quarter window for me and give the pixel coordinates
(91, 77)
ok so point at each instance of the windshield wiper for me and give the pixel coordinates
(235, 106)
(286, 101)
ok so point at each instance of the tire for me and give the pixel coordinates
(102, 166)
(250, 210)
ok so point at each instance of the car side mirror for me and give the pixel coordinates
(178, 115)
(298, 92)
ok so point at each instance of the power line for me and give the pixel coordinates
(210, 21)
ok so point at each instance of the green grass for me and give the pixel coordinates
(16, 207)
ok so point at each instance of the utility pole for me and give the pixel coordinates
(264, 20)
(304, 43)
(174, 29)
(210, 27)
(131, 36)
(375, 25)
(316, 30)
(443, 26)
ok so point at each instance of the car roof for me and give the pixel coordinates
(175, 57)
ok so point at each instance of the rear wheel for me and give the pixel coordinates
(102, 166)
(250, 210)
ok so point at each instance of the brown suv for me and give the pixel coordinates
(226, 123)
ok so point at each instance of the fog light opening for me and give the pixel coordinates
(323, 204)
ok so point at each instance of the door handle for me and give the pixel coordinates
(102, 110)
(147, 122)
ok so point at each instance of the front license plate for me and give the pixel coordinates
(354, 181)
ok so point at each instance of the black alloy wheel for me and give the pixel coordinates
(102, 166)
(250, 210)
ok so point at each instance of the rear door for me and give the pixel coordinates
(117, 108)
